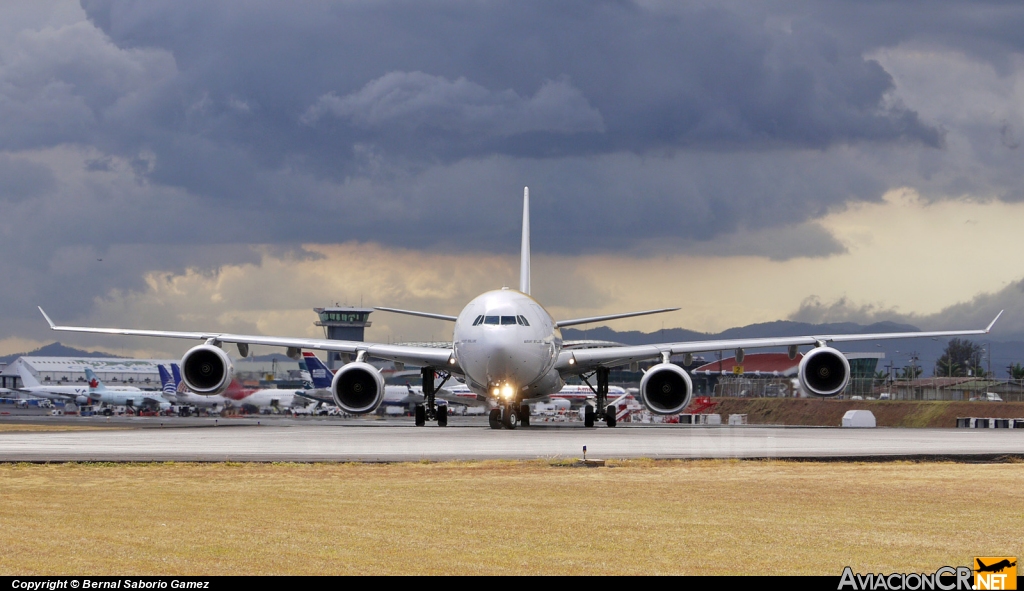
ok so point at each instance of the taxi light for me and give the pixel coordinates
(508, 391)
(497, 391)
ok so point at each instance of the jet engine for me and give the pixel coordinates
(358, 388)
(82, 400)
(207, 369)
(666, 389)
(824, 372)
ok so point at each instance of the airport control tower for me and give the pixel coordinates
(342, 323)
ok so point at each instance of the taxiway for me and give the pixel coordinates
(305, 441)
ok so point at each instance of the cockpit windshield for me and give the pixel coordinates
(501, 320)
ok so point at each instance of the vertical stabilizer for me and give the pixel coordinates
(27, 379)
(95, 385)
(166, 381)
(524, 256)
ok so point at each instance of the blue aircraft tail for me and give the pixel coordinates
(177, 377)
(167, 381)
(318, 372)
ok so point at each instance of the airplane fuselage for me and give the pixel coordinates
(58, 392)
(507, 345)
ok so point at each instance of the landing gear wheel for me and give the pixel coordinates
(524, 415)
(442, 415)
(588, 416)
(421, 415)
(494, 418)
(609, 415)
(510, 417)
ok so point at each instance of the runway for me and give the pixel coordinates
(356, 441)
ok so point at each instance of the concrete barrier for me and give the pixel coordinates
(859, 418)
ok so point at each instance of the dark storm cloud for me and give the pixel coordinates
(20, 179)
(640, 126)
(612, 75)
(992, 31)
(328, 117)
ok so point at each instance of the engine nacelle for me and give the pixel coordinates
(666, 389)
(207, 370)
(82, 400)
(358, 388)
(824, 371)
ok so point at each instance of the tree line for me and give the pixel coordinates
(961, 358)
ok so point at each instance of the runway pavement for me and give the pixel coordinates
(469, 440)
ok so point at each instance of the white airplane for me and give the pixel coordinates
(69, 393)
(30, 385)
(264, 398)
(137, 398)
(508, 349)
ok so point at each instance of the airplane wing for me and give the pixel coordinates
(424, 356)
(576, 360)
(154, 400)
(592, 319)
(415, 313)
(307, 395)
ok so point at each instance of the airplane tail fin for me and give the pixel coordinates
(166, 381)
(524, 255)
(318, 372)
(178, 386)
(27, 379)
(307, 381)
(94, 382)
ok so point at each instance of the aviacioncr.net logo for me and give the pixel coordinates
(946, 578)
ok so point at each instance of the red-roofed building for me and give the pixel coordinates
(771, 374)
(754, 365)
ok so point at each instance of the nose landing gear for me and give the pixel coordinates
(509, 416)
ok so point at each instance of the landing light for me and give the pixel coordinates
(497, 391)
(508, 391)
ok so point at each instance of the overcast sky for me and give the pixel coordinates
(236, 163)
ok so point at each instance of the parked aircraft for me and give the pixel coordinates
(138, 398)
(238, 396)
(176, 392)
(78, 394)
(70, 393)
(509, 350)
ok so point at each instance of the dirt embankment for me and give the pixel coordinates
(888, 413)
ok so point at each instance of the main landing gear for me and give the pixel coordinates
(509, 416)
(430, 410)
(604, 412)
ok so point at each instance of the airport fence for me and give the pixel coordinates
(949, 389)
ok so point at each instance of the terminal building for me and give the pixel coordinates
(142, 373)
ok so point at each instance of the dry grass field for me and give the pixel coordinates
(642, 517)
